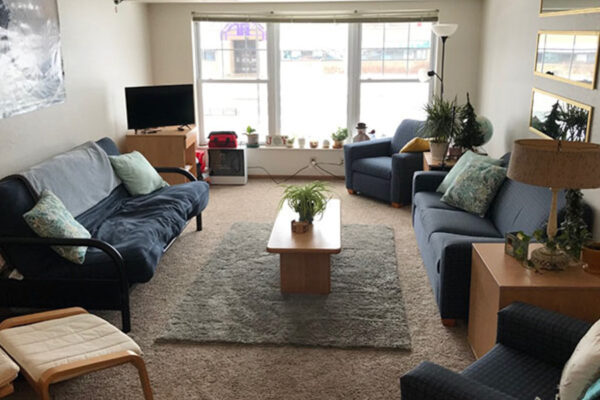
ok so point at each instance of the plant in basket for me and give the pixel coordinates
(309, 201)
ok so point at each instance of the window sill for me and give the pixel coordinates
(276, 148)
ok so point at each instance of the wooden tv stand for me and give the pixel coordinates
(168, 147)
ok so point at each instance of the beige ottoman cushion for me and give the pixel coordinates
(8, 369)
(44, 345)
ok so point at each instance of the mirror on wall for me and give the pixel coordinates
(568, 56)
(556, 117)
(565, 7)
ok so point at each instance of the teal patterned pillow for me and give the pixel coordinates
(475, 188)
(50, 218)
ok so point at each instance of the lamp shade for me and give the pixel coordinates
(423, 75)
(555, 164)
(444, 30)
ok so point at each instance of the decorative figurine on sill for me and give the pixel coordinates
(361, 129)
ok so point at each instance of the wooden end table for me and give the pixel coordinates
(498, 280)
(430, 165)
(305, 258)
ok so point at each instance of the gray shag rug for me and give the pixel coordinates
(236, 298)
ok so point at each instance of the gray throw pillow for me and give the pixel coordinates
(460, 166)
(475, 188)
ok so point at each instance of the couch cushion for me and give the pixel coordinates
(45, 345)
(8, 369)
(516, 374)
(456, 221)
(380, 167)
(521, 207)
(425, 200)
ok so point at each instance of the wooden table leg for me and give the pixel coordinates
(305, 273)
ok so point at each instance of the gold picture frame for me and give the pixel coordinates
(572, 35)
(582, 134)
(587, 10)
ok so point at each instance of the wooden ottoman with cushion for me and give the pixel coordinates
(58, 345)
(8, 373)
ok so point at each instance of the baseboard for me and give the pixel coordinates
(298, 177)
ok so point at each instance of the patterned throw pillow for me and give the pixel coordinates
(137, 174)
(475, 188)
(460, 166)
(50, 218)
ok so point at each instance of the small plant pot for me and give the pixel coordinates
(590, 255)
(314, 144)
(438, 150)
(325, 144)
(289, 144)
(252, 140)
(301, 143)
(300, 226)
(338, 144)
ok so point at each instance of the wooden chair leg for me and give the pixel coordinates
(396, 205)
(139, 363)
(6, 390)
(351, 191)
(448, 322)
(44, 391)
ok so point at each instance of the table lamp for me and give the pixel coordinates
(556, 165)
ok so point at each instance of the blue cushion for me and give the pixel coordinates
(526, 378)
(425, 200)
(456, 221)
(380, 167)
(406, 131)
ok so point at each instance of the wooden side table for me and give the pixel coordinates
(498, 280)
(430, 165)
(168, 147)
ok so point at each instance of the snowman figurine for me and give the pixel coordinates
(361, 129)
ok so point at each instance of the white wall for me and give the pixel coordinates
(102, 53)
(172, 57)
(507, 61)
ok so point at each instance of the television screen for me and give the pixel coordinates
(156, 106)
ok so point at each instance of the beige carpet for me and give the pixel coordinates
(269, 372)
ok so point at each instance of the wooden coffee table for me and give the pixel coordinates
(305, 258)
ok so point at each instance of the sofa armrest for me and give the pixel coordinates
(541, 333)
(429, 381)
(427, 181)
(404, 166)
(177, 170)
(367, 149)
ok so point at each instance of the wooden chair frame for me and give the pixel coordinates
(6, 390)
(77, 368)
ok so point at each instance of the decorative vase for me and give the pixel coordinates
(325, 144)
(300, 226)
(301, 142)
(438, 150)
(338, 144)
(252, 140)
(314, 144)
(590, 255)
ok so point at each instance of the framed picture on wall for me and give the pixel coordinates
(556, 117)
(550, 8)
(30, 56)
(568, 56)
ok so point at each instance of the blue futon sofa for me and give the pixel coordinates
(445, 234)
(129, 234)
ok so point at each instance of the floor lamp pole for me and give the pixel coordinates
(444, 38)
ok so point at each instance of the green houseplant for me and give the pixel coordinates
(252, 136)
(308, 201)
(574, 233)
(441, 125)
(338, 137)
(470, 135)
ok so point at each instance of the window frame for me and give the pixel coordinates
(273, 81)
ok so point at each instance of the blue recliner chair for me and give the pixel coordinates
(377, 168)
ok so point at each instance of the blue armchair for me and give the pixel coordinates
(377, 169)
(531, 349)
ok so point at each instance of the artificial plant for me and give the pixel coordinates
(574, 233)
(442, 121)
(470, 135)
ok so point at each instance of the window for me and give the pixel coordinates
(307, 79)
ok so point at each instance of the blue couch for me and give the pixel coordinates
(532, 347)
(376, 168)
(129, 236)
(445, 234)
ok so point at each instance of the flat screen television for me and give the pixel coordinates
(156, 106)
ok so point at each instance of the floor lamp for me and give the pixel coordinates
(443, 31)
(556, 165)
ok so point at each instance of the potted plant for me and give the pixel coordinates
(338, 137)
(440, 126)
(470, 135)
(590, 256)
(308, 201)
(252, 137)
(290, 142)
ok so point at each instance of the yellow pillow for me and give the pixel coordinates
(417, 145)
